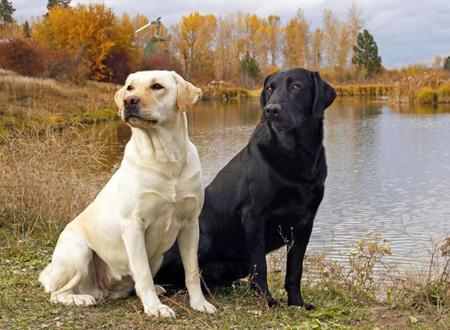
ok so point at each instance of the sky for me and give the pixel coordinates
(407, 32)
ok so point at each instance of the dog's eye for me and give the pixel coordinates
(156, 86)
(130, 88)
(269, 89)
(295, 87)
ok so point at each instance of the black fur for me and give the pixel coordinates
(267, 196)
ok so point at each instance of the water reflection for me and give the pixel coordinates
(389, 168)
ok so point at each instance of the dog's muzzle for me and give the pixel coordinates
(272, 112)
(131, 108)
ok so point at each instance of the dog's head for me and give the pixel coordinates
(150, 98)
(291, 96)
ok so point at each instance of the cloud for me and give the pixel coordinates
(405, 31)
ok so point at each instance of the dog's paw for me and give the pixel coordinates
(308, 307)
(273, 303)
(73, 299)
(159, 290)
(160, 310)
(203, 306)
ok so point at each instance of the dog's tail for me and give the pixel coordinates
(45, 277)
(55, 281)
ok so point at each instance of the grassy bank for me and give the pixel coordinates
(409, 90)
(49, 177)
(27, 103)
(410, 302)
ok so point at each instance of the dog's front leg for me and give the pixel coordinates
(294, 266)
(255, 236)
(188, 244)
(133, 235)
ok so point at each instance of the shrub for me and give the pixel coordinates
(443, 93)
(22, 56)
(30, 58)
(426, 95)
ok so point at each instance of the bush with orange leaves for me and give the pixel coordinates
(30, 58)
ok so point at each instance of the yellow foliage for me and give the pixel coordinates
(91, 31)
(443, 93)
(296, 41)
(426, 95)
(193, 40)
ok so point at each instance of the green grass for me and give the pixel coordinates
(24, 305)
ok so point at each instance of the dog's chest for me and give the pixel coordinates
(179, 200)
(165, 208)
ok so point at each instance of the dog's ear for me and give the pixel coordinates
(187, 94)
(118, 98)
(262, 96)
(324, 95)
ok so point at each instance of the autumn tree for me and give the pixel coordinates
(330, 39)
(316, 50)
(344, 48)
(6, 12)
(91, 32)
(251, 31)
(124, 56)
(273, 38)
(193, 39)
(226, 56)
(355, 23)
(365, 54)
(296, 41)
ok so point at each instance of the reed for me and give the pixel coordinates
(373, 90)
(47, 178)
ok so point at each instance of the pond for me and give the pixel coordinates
(389, 169)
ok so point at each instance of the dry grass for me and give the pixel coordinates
(364, 90)
(34, 103)
(422, 293)
(46, 179)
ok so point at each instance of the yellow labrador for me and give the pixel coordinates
(117, 243)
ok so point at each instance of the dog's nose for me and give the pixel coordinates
(131, 101)
(272, 110)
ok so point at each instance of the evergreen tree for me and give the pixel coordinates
(447, 63)
(365, 54)
(6, 12)
(26, 30)
(249, 68)
(58, 3)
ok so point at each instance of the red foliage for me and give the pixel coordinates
(30, 58)
(22, 56)
(159, 62)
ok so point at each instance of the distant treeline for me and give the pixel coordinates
(239, 48)
(91, 42)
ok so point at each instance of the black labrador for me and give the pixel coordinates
(267, 196)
